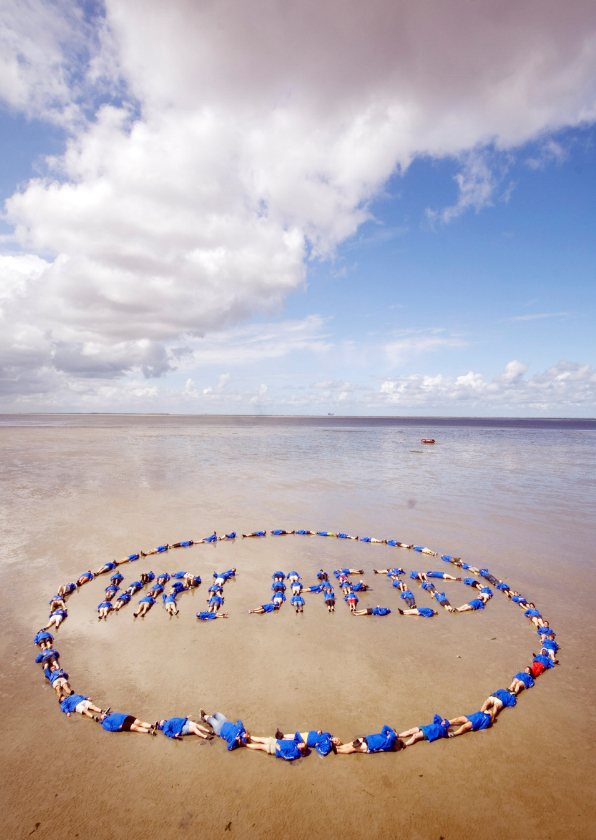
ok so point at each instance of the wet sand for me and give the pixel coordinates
(81, 491)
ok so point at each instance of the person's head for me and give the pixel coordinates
(399, 745)
(528, 669)
(550, 636)
(546, 624)
(532, 606)
(336, 742)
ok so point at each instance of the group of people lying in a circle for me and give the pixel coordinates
(291, 746)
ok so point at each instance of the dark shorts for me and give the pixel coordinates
(127, 723)
(369, 611)
(330, 602)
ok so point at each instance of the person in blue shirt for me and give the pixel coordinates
(487, 576)
(386, 740)
(177, 728)
(521, 681)
(514, 596)
(118, 722)
(278, 576)
(169, 602)
(425, 612)
(345, 537)
(476, 604)
(278, 598)
(230, 536)
(67, 589)
(398, 544)
(293, 577)
(215, 589)
(318, 588)
(212, 539)
(279, 532)
(121, 601)
(541, 663)
(550, 646)
(56, 619)
(82, 706)
(130, 558)
(214, 602)
(207, 616)
(545, 629)
(192, 581)
(503, 587)
(255, 534)
(134, 587)
(340, 572)
(406, 595)
(48, 658)
(441, 575)
(472, 723)
(107, 567)
(534, 616)
(160, 549)
(373, 611)
(103, 609)
(486, 591)
(298, 603)
(110, 591)
(351, 600)
(146, 577)
(163, 578)
(442, 599)
(43, 640)
(439, 728)
(288, 749)
(145, 605)
(222, 577)
(325, 534)
(178, 575)
(329, 598)
(499, 700)
(373, 540)
(234, 733)
(278, 586)
(361, 586)
(183, 544)
(155, 590)
(307, 533)
(322, 742)
(58, 679)
(57, 603)
(265, 608)
(117, 578)
(85, 578)
(394, 572)
(296, 587)
(449, 559)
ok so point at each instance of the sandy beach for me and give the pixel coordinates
(78, 491)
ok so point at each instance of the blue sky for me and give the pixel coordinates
(327, 242)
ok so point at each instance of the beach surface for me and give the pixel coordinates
(518, 498)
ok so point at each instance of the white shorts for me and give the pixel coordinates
(83, 706)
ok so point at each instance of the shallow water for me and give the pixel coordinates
(519, 498)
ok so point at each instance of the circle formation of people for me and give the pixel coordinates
(291, 746)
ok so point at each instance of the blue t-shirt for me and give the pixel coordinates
(322, 742)
(173, 726)
(351, 596)
(469, 581)
(86, 576)
(215, 600)
(231, 536)
(435, 730)
(527, 679)
(47, 654)
(381, 610)
(532, 614)
(269, 608)
(383, 741)
(435, 575)
(506, 698)
(169, 599)
(113, 722)
(69, 704)
(414, 575)
(550, 644)
(441, 598)
(124, 596)
(105, 604)
(287, 749)
(447, 558)
(133, 557)
(117, 578)
(279, 575)
(278, 597)
(486, 591)
(63, 613)
(186, 543)
(479, 720)
(162, 548)
(206, 616)
(545, 631)
(178, 575)
(52, 676)
(477, 604)
(342, 536)
(428, 586)
(426, 612)
(395, 572)
(178, 586)
(147, 600)
(212, 538)
(297, 601)
(230, 732)
(407, 594)
(503, 587)
(164, 576)
(302, 532)
(278, 531)
(112, 588)
(545, 660)
(519, 599)
(42, 636)
(359, 587)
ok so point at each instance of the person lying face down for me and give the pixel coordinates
(500, 699)
(82, 706)
(104, 609)
(130, 558)
(57, 603)
(476, 604)
(121, 601)
(56, 619)
(315, 739)
(439, 728)
(378, 610)
(85, 578)
(289, 750)
(160, 549)
(43, 639)
(406, 594)
(169, 602)
(472, 723)
(145, 605)
(425, 612)
(207, 616)
(177, 728)
(442, 599)
(279, 532)
(67, 589)
(256, 534)
(234, 733)
(58, 679)
(118, 722)
(393, 572)
(386, 740)
(110, 591)
(298, 602)
(265, 608)
(522, 680)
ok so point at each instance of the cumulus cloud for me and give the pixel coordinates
(239, 140)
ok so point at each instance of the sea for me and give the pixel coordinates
(516, 496)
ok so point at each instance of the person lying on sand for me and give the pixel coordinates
(57, 603)
(442, 599)
(256, 534)
(307, 533)
(43, 640)
(222, 577)
(110, 591)
(265, 608)
(206, 616)
(145, 605)
(386, 740)
(521, 681)
(48, 658)
(534, 616)
(212, 539)
(104, 609)
(67, 589)
(58, 679)
(439, 728)
(373, 540)
(550, 646)
(278, 598)
(322, 742)
(134, 587)
(284, 748)
(373, 611)
(279, 532)
(406, 595)
(476, 604)
(118, 722)
(163, 578)
(394, 572)
(107, 567)
(56, 619)
(472, 723)
(146, 577)
(85, 578)
(345, 537)
(329, 599)
(500, 699)
(170, 603)
(178, 727)
(82, 706)
(130, 558)
(441, 576)
(234, 733)
(296, 587)
(156, 590)
(192, 581)
(541, 663)
(425, 612)
(121, 601)
(351, 600)
(297, 602)
(157, 550)
(398, 544)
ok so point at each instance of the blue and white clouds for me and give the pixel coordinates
(213, 151)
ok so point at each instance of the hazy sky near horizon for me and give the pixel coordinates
(233, 207)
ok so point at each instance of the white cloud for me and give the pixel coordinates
(409, 348)
(241, 138)
(541, 315)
